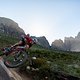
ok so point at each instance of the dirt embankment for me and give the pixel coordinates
(11, 73)
(18, 75)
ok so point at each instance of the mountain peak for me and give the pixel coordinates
(78, 35)
(10, 27)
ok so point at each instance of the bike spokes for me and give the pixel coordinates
(16, 59)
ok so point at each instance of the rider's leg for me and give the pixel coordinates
(27, 46)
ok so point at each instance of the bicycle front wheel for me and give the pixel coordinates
(16, 59)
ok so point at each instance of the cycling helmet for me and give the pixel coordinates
(35, 40)
(28, 35)
(24, 36)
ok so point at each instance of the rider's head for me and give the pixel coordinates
(25, 35)
(28, 35)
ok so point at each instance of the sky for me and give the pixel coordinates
(54, 19)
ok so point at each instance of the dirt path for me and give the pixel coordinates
(18, 75)
(10, 73)
(3, 74)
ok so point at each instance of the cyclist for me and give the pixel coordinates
(26, 42)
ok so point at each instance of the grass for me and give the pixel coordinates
(62, 61)
(48, 60)
(6, 40)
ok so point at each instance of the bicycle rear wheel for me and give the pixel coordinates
(16, 59)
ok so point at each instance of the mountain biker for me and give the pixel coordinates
(26, 41)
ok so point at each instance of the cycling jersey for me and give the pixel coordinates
(27, 40)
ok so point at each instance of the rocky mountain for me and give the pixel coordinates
(69, 44)
(10, 27)
(78, 36)
(58, 44)
(42, 41)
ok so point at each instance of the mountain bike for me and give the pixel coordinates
(14, 57)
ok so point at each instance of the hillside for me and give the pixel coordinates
(7, 40)
(52, 64)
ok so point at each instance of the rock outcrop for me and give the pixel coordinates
(9, 27)
(42, 41)
(58, 44)
(69, 44)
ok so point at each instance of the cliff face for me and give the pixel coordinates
(42, 41)
(69, 44)
(9, 27)
(72, 44)
(58, 44)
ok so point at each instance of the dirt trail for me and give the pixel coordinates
(18, 75)
(13, 73)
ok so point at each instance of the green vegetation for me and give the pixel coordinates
(6, 40)
(48, 61)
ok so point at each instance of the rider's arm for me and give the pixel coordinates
(17, 44)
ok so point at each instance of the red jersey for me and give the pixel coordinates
(29, 40)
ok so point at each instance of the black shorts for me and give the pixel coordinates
(30, 45)
(23, 42)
